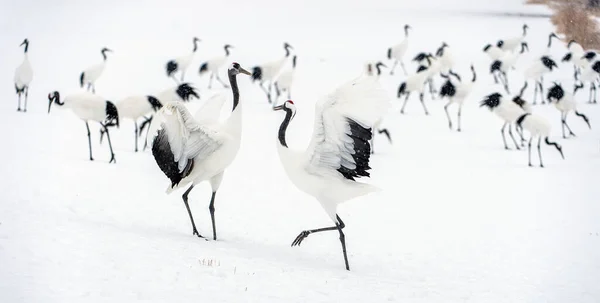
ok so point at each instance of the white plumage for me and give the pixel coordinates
(416, 83)
(504, 64)
(564, 102)
(213, 65)
(89, 107)
(285, 80)
(268, 72)
(510, 44)
(507, 110)
(537, 126)
(23, 77)
(396, 53)
(457, 92)
(138, 106)
(181, 64)
(339, 150)
(91, 74)
(190, 150)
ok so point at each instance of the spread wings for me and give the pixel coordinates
(340, 143)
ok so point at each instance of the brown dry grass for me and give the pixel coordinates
(574, 20)
(575, 23)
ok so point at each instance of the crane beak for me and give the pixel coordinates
(243, 71)
(279, 107)
(49, 103)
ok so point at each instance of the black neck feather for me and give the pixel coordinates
(234, 89)
(26, 46)
(284, 126)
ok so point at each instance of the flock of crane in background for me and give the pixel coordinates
(192, 148)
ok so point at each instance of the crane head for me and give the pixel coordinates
(54, 97)
(236, 69)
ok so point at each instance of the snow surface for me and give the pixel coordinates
(459, 220)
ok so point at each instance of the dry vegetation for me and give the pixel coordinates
(575, 20)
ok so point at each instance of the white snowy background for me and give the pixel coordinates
(459, 218)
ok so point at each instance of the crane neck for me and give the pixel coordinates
(283, 127)
(235, 90)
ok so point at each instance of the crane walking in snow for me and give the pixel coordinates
(23, 77)
(339, 150)
(91, 74)
(396, 53)
(90, 107)
(180, 64)
(213, 65)
(268, 72)
(192, 149)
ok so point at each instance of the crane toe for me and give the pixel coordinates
(303, 235)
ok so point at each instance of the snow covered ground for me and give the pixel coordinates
(459, 220)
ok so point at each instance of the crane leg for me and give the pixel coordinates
(459, 114)
(393, 67)
(529, 150)
(504, 137)
(540, 151)
(568, 128)
(542, 90)
(513, 137)
(142, 126)
(448, 115)
(26, 96)
(505, 82)
(112, 154)
(404, 104)
(19, 106)
(562, 124)
(338, 226)
(136, 135)
(403, 68)
(535, 92)
(89, 140)
(210, 80)
(422, 97)
(211, 208)
(495, 78)
(386, 133)
(187, 206)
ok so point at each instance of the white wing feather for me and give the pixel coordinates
(362, 100)
(210, 111)
(187, 138)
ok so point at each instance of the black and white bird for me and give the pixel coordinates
(536, 72)
(457, 92)
(144, 106)
(590, 75)
(89, 107)
(564, 102)
(396, 53)
(507, 110)
(374, 70)
(23, 77)
(504, 64)
(285, 80)
(91, 74)
(181, 64)
(213, 65)
(576, 55)
(268, 72)
(445, 57)
(415, 83)
(190, 150)
(537, 126)
(539, 67)
(339, 150)
(510, 44)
